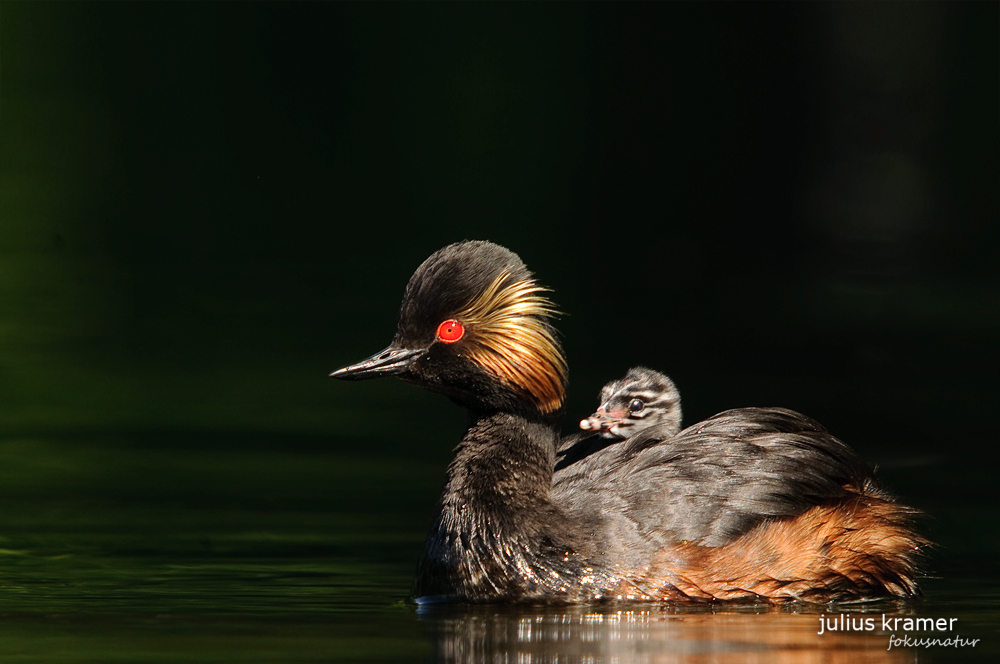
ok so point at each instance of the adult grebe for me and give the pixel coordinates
(752, 503)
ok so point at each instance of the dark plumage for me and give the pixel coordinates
(751, 503)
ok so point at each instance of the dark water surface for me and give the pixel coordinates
(222, 548)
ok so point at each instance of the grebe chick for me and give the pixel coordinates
(749, 504)
(643, 398)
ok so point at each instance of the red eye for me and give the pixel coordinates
(450, 331)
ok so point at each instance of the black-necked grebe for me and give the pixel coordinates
(642, 399)
(752, 503)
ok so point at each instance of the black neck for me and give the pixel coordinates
(503, 464)
(496, 533)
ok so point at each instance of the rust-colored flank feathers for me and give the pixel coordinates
(864, 545)
(510, 338)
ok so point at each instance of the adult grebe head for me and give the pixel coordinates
(474, 325)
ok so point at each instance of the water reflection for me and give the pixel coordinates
(648, 634)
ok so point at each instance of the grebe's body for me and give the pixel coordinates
(750, 504)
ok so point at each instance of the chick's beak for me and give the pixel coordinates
(601, 421)
(388, 362)
(595, 422)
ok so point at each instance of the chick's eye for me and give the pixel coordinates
(635, 406)
(450, 331)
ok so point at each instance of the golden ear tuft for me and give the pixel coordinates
(510, 338)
